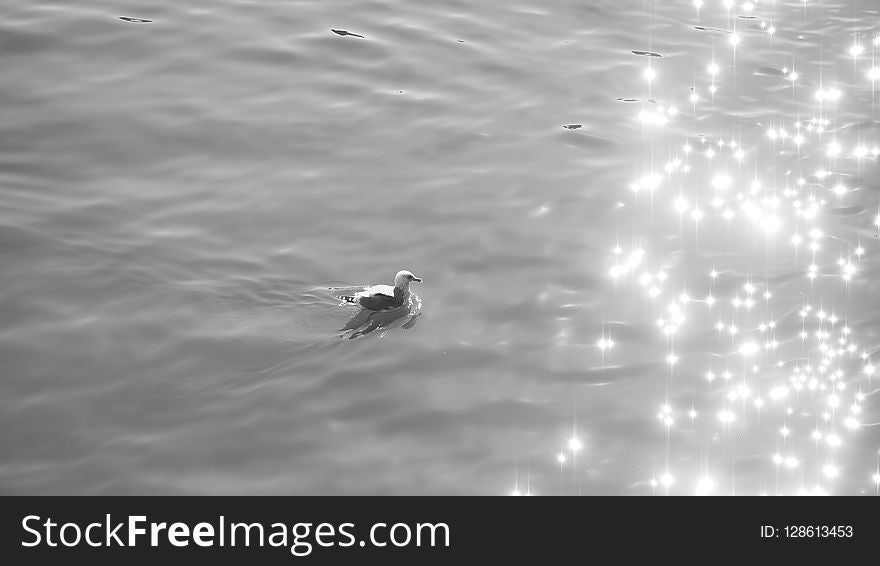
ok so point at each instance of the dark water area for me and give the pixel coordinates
(647, 234)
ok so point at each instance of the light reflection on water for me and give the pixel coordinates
(784, 387)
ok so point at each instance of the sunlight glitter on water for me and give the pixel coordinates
(810, 350)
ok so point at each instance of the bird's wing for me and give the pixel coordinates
(348, 294)
(378, 297)
(387, 290)
(343, 292)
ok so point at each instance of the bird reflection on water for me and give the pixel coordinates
(366, 321)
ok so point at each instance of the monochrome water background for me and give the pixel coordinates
(646, 232)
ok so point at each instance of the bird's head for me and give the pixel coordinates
(404, 278)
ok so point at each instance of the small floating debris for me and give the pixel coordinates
(768, 71)
(135, 20)
(343, 33)
(748, 17)
(628, 99)
(846, 211)
(716, 30)
(573, 126)
(646, 53)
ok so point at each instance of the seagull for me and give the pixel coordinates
(382, 297)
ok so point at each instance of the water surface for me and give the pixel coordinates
(177, 193)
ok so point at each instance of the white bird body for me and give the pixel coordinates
(378, 290)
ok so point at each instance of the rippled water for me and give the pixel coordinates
(178, 193)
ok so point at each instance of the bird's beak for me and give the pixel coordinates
(417, 279)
